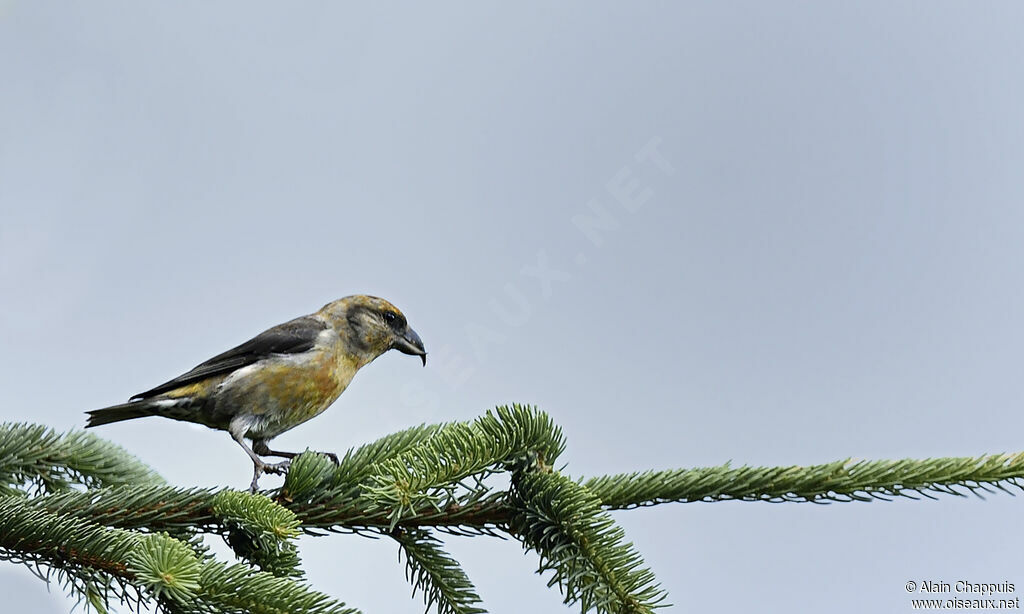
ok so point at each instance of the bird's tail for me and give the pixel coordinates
(124, 411)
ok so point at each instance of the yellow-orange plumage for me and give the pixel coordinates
(279, 379)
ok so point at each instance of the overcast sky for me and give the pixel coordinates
(770, 233)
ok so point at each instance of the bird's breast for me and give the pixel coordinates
(283, 392)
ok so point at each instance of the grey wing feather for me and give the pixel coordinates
(293, 337)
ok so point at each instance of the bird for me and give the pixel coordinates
(279, 379)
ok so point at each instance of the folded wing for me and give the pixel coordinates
(293, 337)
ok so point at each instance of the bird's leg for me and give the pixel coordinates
(259, 467)
(261, 448)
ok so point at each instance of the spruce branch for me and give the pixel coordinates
(157, 508)
(582, 546)
(104, 563)
(839, 481)
(169, 509)
(494, 442)
(87, 558)
(165, 508)
(257, 529)
(238, 589)
(109, 528)
(47, 461)
(167, 567)
(438, 576)
(356, 462)
(260, 531)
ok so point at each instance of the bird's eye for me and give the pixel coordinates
(394, 320)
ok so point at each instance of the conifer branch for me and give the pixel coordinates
(580, 544)
(47, 461)
(496, 441)
(238, 589)
(110, 528)
(87, 557)
(438, 576)
(840, 481)
(165, 508)
(157, 508)
(357, 461)
(259, 531)
(98, 561)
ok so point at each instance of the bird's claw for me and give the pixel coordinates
(273, 468)
(278, 468)
(255, 484)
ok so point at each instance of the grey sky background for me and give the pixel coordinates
(832, 270)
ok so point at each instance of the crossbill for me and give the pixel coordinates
(279, 379)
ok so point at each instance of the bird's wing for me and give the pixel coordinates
(298, 335)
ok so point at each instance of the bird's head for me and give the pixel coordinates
(372, 326)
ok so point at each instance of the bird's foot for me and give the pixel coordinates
(278, 468)
(272, 468)
(331, 455)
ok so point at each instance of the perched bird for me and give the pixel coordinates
(279, 378)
